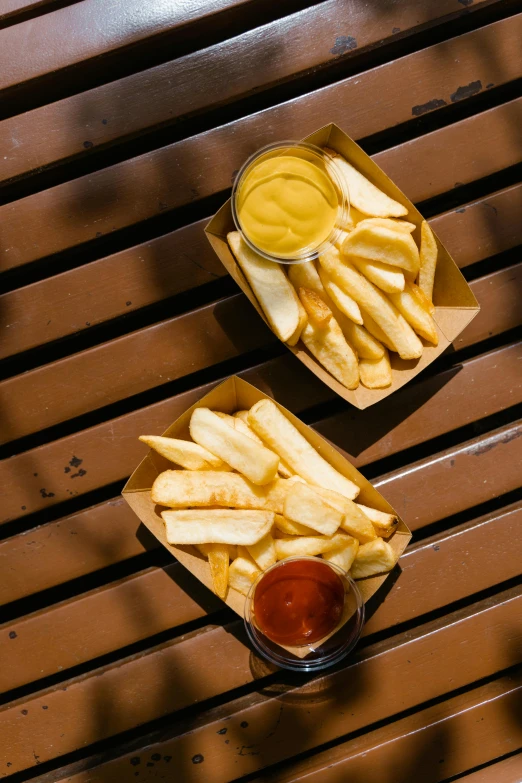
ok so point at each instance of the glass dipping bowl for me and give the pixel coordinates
(314, 155)
(318, 655)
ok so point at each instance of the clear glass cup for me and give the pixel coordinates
(317, 655)
(314, 155)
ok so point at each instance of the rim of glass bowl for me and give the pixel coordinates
(342, 188)
(279, 656)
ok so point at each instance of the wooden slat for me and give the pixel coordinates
(59, 39)
(33, 475)
(506, 771)
(368, 690)
(481, 469)
(183, 259)
(107, 619)
(439, 742)
(135, 190)
(10, 8)
(230, 70)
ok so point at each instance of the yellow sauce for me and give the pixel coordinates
(287, 205)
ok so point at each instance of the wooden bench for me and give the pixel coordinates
(122, 126)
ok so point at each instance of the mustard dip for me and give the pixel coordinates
(287, 205)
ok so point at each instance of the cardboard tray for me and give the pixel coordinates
(455, 304)
(232, 395)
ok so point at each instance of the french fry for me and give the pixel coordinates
(375, 557)
(428, 260)
(281, 436)
(373, 302)
(343, 555)
(388, 278)
(226, 417)
(377, 333)
(330, 348)
(303, 319)
(423, 299)
(204, 549)
(216, 526)
(384, 524)
(243, 415)
(388, 246)
(299, 546)
(394, 225)
(242, 551)
(242, 573)
(408, 305)
(203, 488)
(343, 234)
(364, 195)
(243, 427)
(353, 218)
(304, 505)
(305, 275)
(359, 526)
(376, 375)
(288, 528)
(218, 560)
(256, 462)
(316, 308)
(185, 453)
(263, 552)
(364, 343)
(346, 304)
(271, 287)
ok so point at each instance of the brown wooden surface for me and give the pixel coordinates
(116, 665)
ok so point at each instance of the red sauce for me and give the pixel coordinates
(299, 602)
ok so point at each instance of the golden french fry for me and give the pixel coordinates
(242, 573)
(374, 302)
(216, 526)
(242, 551)
(203, 488)
(256, 462)
(243, 415)
(243, 427)
(394, 225)
(329, 347)
(384, 524)
(279, 433)
(364, 343)
(377, 333)
(346, 304)
(303, 320)
(359, 526)
(364, 195)
(305, 275)
(408, 305)
(423, 299)
(376, 375)
(304, 505)
(388, 278)
(353, 218)
(185, 453)
(218, 560)
(263, 552)
(428, 260)
(288, 528)
(317, 310)
(299, 546)
(375, 557)
(388, 246)
(226, 417)
(343, 234)
(270, 285)
(343, 555)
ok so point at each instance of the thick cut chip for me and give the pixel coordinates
(304, 505)
(270, 285)
(288, 528)
(279, 433)
(330, 348)
(388, 278)
(216, 526)
(339, 242)
(375, 557)
(364, 195)
(203, 488)
(263, 552)
(359, 526)
(376, 375)
(388, 246)
(226, 417)
(204, 549)
(241, 426)
(428, 260)
(256, 462)
(423, 299)
(414, 313)
(185, 453)
(301, 546)
(374, 302)
(353, 218)
(364, 343)
(394, 225)
(318, 311)
(242, 573)
(343, 555)
(384, 524)
(346, 304)
(218, 560)
(377, 333)
(243, 415)
(303, 320)
(305, 275)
